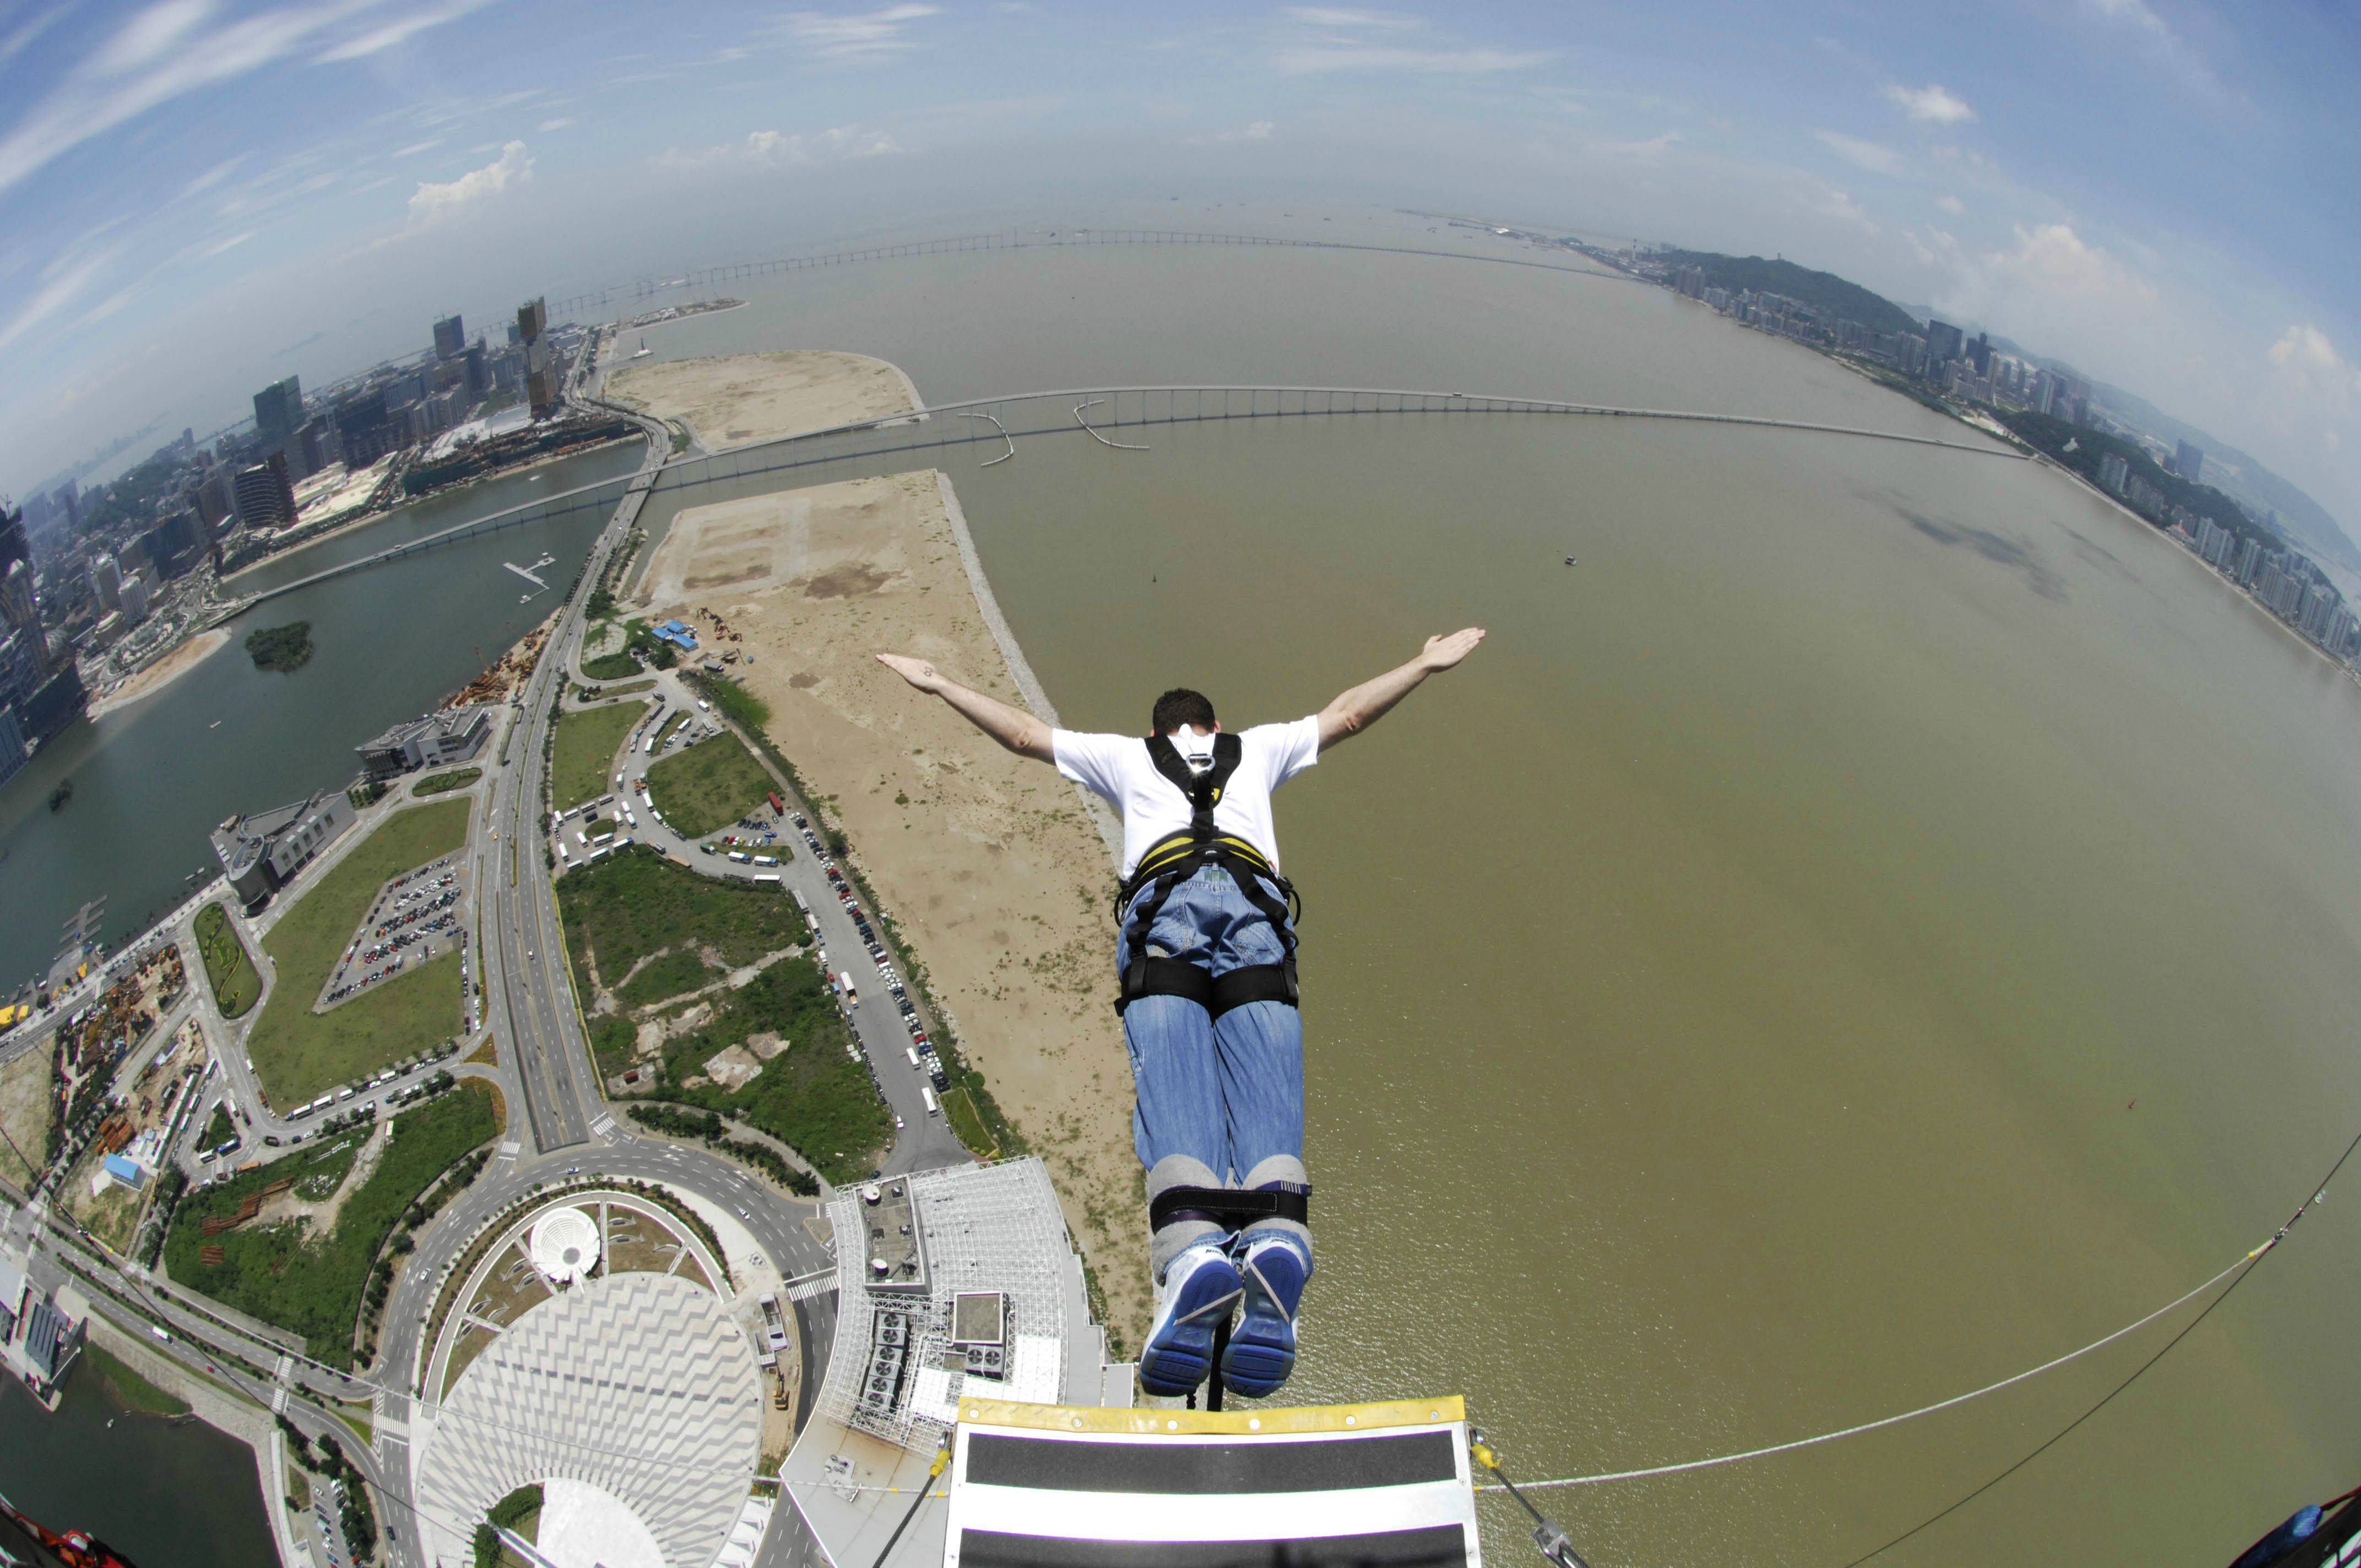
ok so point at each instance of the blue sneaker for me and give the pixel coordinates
(1262, 1350)
(1201, 1288)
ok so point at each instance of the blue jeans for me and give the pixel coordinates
(1219, 1100)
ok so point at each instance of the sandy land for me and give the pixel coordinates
(991, 865)
(162, 672)
(25, 1085)
(734, 399)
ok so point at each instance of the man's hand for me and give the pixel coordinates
(1356, 710)
(1013, 728)
(919, 672)
(1443, 652)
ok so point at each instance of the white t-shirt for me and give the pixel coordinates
(1117, 767)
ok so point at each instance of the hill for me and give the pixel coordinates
(1822, 290)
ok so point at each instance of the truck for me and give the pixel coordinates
(778, 806)
(852, 993)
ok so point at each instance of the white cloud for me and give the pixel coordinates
(1835, 202)
(870, 37)
(559, 124)
(1952, 204)
(431, 202)
(214, 176)
(62, 280)
(414, 149)
(2305, 355)
(377, 40)
(206, 252)
(1875, 157)
(21, 38)
(164, 52)
(1346, 16)
(1260, 130)
(1653, 146)
(1933, 103)
(2156, 38)
(1325, 56)
(781, 150)
(2056, 260)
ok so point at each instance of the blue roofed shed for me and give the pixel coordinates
(680, 633)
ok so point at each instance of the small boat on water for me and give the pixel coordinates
(60, 795)
(644, 350)
(215, 725)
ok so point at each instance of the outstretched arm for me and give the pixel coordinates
(1354, 710)
(1013, 728)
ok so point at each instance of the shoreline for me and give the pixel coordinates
(994, 871)
(341, 529)
(159, 675)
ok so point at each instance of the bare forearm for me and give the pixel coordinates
(1013, 728)
(1354, 710)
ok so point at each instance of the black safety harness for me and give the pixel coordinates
(1173, 859)
(1169, 862)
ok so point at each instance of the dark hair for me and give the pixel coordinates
(1178, 707)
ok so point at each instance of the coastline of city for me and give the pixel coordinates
(615, 948)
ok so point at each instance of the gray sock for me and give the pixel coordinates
(1171, 1241)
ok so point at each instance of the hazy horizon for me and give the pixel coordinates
(206, 197)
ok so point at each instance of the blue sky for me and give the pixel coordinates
(2161, 192)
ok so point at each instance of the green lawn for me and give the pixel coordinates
(967, 1125)
(440, 784)
(635, 903)
(227, 965)
(612, 667)
(675, 974)
(585, 757)
(297, 1053)
(710, 785)
(313, 1284)
(134, 1391)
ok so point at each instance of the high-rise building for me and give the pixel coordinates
(449, 337)
(12, 744)
(2250, 557)
(363, 429)
(69, 497)
(135, 600)
(532, 320)
(2188, 461)
(174, 546)
(106, 583)
(264, 496)
(2113, 472)
(213, 499)
(1943, 341)
(480, 370)
(1980, 354)
(278, 410)
(2319, 603)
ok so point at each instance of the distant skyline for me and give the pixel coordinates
(198, 198)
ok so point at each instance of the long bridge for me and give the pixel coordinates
(1031, 240)
(1092, 411)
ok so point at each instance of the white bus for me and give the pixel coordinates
(766, 876)
(928, 1095)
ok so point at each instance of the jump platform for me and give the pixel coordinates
(1379, 1485)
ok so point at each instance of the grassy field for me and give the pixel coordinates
(24, 1086)
(710, 785)
(441, 784)
(586, 744)
(308, 1284)
(612, 667)
(673, 974)
(814, 1097)
(297, 1053)
(968, 1124)
(131, 1390)
(228, 966)
(113, 1216)
(635, 903)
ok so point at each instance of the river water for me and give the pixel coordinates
(165, 1496)
(151, 781)
(1881, 919)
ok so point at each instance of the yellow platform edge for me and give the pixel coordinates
(1149, 1422)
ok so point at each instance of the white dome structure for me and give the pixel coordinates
(565, 1244)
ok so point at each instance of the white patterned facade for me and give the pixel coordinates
(635, 1384)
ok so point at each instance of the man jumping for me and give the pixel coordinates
(1205, 956)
